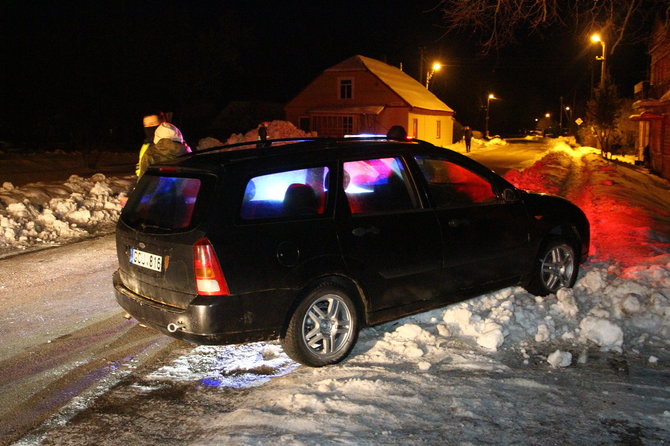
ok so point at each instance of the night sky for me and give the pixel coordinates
(82, 73)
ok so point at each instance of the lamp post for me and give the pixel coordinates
(488, 104)
(568, 114)
(602, 58)
(429, 75)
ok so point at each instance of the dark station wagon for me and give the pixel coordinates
(310, 240)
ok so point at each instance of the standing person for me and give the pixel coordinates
(397, 133)
(168, 143)
(263, 135)
(151, 123)
(467, 136)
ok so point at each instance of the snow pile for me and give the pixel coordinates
(39, 214)
(602, 310)
(496, 141)
(275, 129)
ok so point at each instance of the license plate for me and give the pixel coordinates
(146, 259)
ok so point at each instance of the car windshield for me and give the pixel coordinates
(162, 203)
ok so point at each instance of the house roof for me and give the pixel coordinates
(410, 90)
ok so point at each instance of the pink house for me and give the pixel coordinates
(364, 95)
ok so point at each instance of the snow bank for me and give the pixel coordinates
(276, 130)
(39, 214)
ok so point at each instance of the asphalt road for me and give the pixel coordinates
(62, 333)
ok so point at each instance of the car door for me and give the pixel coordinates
(485, 237)
(391, 245)
(285, 233)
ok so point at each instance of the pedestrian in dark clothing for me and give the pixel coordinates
(467, 136)
(263, 135)
(397, 133)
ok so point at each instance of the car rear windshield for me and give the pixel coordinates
(162, 203)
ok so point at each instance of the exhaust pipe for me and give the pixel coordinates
(172, 327)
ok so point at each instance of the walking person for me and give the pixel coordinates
(467, 136)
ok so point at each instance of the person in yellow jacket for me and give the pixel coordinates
(168, 144)
(150, 123)
(155, 129)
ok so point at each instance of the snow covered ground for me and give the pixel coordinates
(587, 365)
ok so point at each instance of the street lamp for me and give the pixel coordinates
(597, 38)
(568, 113)
(429, 75)
(490, 97)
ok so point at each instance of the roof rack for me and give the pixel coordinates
(269, 143)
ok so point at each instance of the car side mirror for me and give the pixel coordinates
(510, 195)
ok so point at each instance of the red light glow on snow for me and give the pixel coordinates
(620, 232)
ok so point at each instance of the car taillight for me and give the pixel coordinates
(208, 275)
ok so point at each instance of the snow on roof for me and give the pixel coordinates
(411, 91)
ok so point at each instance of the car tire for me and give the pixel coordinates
(323, 328)
(556, 267)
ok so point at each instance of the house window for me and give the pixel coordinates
(333, 126)
(346, 88)
(415, 128)
(438, 130)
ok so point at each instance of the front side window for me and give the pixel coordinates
(377, 185)
(288, 194)
(452, 185)
(162, 203)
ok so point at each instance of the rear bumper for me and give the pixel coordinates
(212, 320)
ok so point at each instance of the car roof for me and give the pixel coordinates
(295, 146)
(309, 149)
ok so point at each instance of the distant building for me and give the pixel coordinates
(652, 106)
(363, 95)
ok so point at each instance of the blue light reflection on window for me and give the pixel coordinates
(272, 187)
(364, 175)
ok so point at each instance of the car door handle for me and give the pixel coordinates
(458, 222)
(361, 231)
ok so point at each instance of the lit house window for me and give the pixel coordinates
(415, 128)
(438, 130)
(346, 88)
(333, 126)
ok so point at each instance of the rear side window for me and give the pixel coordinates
(452, 185)
(288, 194)
(163, 203)
(377, 185)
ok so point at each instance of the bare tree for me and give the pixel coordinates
(603, 112)
(499, 22)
